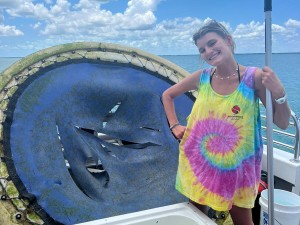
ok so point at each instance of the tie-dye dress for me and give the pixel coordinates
(220, 153)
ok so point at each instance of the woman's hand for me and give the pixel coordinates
(266, 78)
(178, 131)
(272, 82)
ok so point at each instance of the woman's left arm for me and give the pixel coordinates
(266, 78)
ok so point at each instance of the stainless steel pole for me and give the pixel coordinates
(269, 111)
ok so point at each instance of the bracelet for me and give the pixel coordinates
(174, 125)
(282, 99)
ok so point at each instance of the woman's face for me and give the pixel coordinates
(214, 49)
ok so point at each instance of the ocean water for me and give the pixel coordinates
(286, 66)
(6, 62)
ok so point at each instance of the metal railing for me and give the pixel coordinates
(294, 124)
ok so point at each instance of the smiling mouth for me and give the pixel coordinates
(214, 55)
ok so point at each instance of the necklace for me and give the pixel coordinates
(226, 77)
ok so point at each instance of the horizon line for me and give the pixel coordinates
(251, 53)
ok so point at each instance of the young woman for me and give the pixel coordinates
(221, 147)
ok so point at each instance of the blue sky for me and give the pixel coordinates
(162, 27)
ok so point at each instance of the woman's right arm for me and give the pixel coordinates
(187, 84)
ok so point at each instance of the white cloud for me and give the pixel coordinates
(293, 23)
(62, 7)
(87, 17)
(26, 8)
(89, 4)
(36, 25)
(278, 29)
(48, 2)
(9, 31)
(9, 3)
(62, 21)
(253, 30)
(138, 21)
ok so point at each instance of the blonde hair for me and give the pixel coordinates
(216, 27)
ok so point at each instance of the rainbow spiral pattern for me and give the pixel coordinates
(220, 153)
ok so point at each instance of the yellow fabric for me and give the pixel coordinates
(220, 153)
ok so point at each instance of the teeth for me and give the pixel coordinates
(213, 56)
